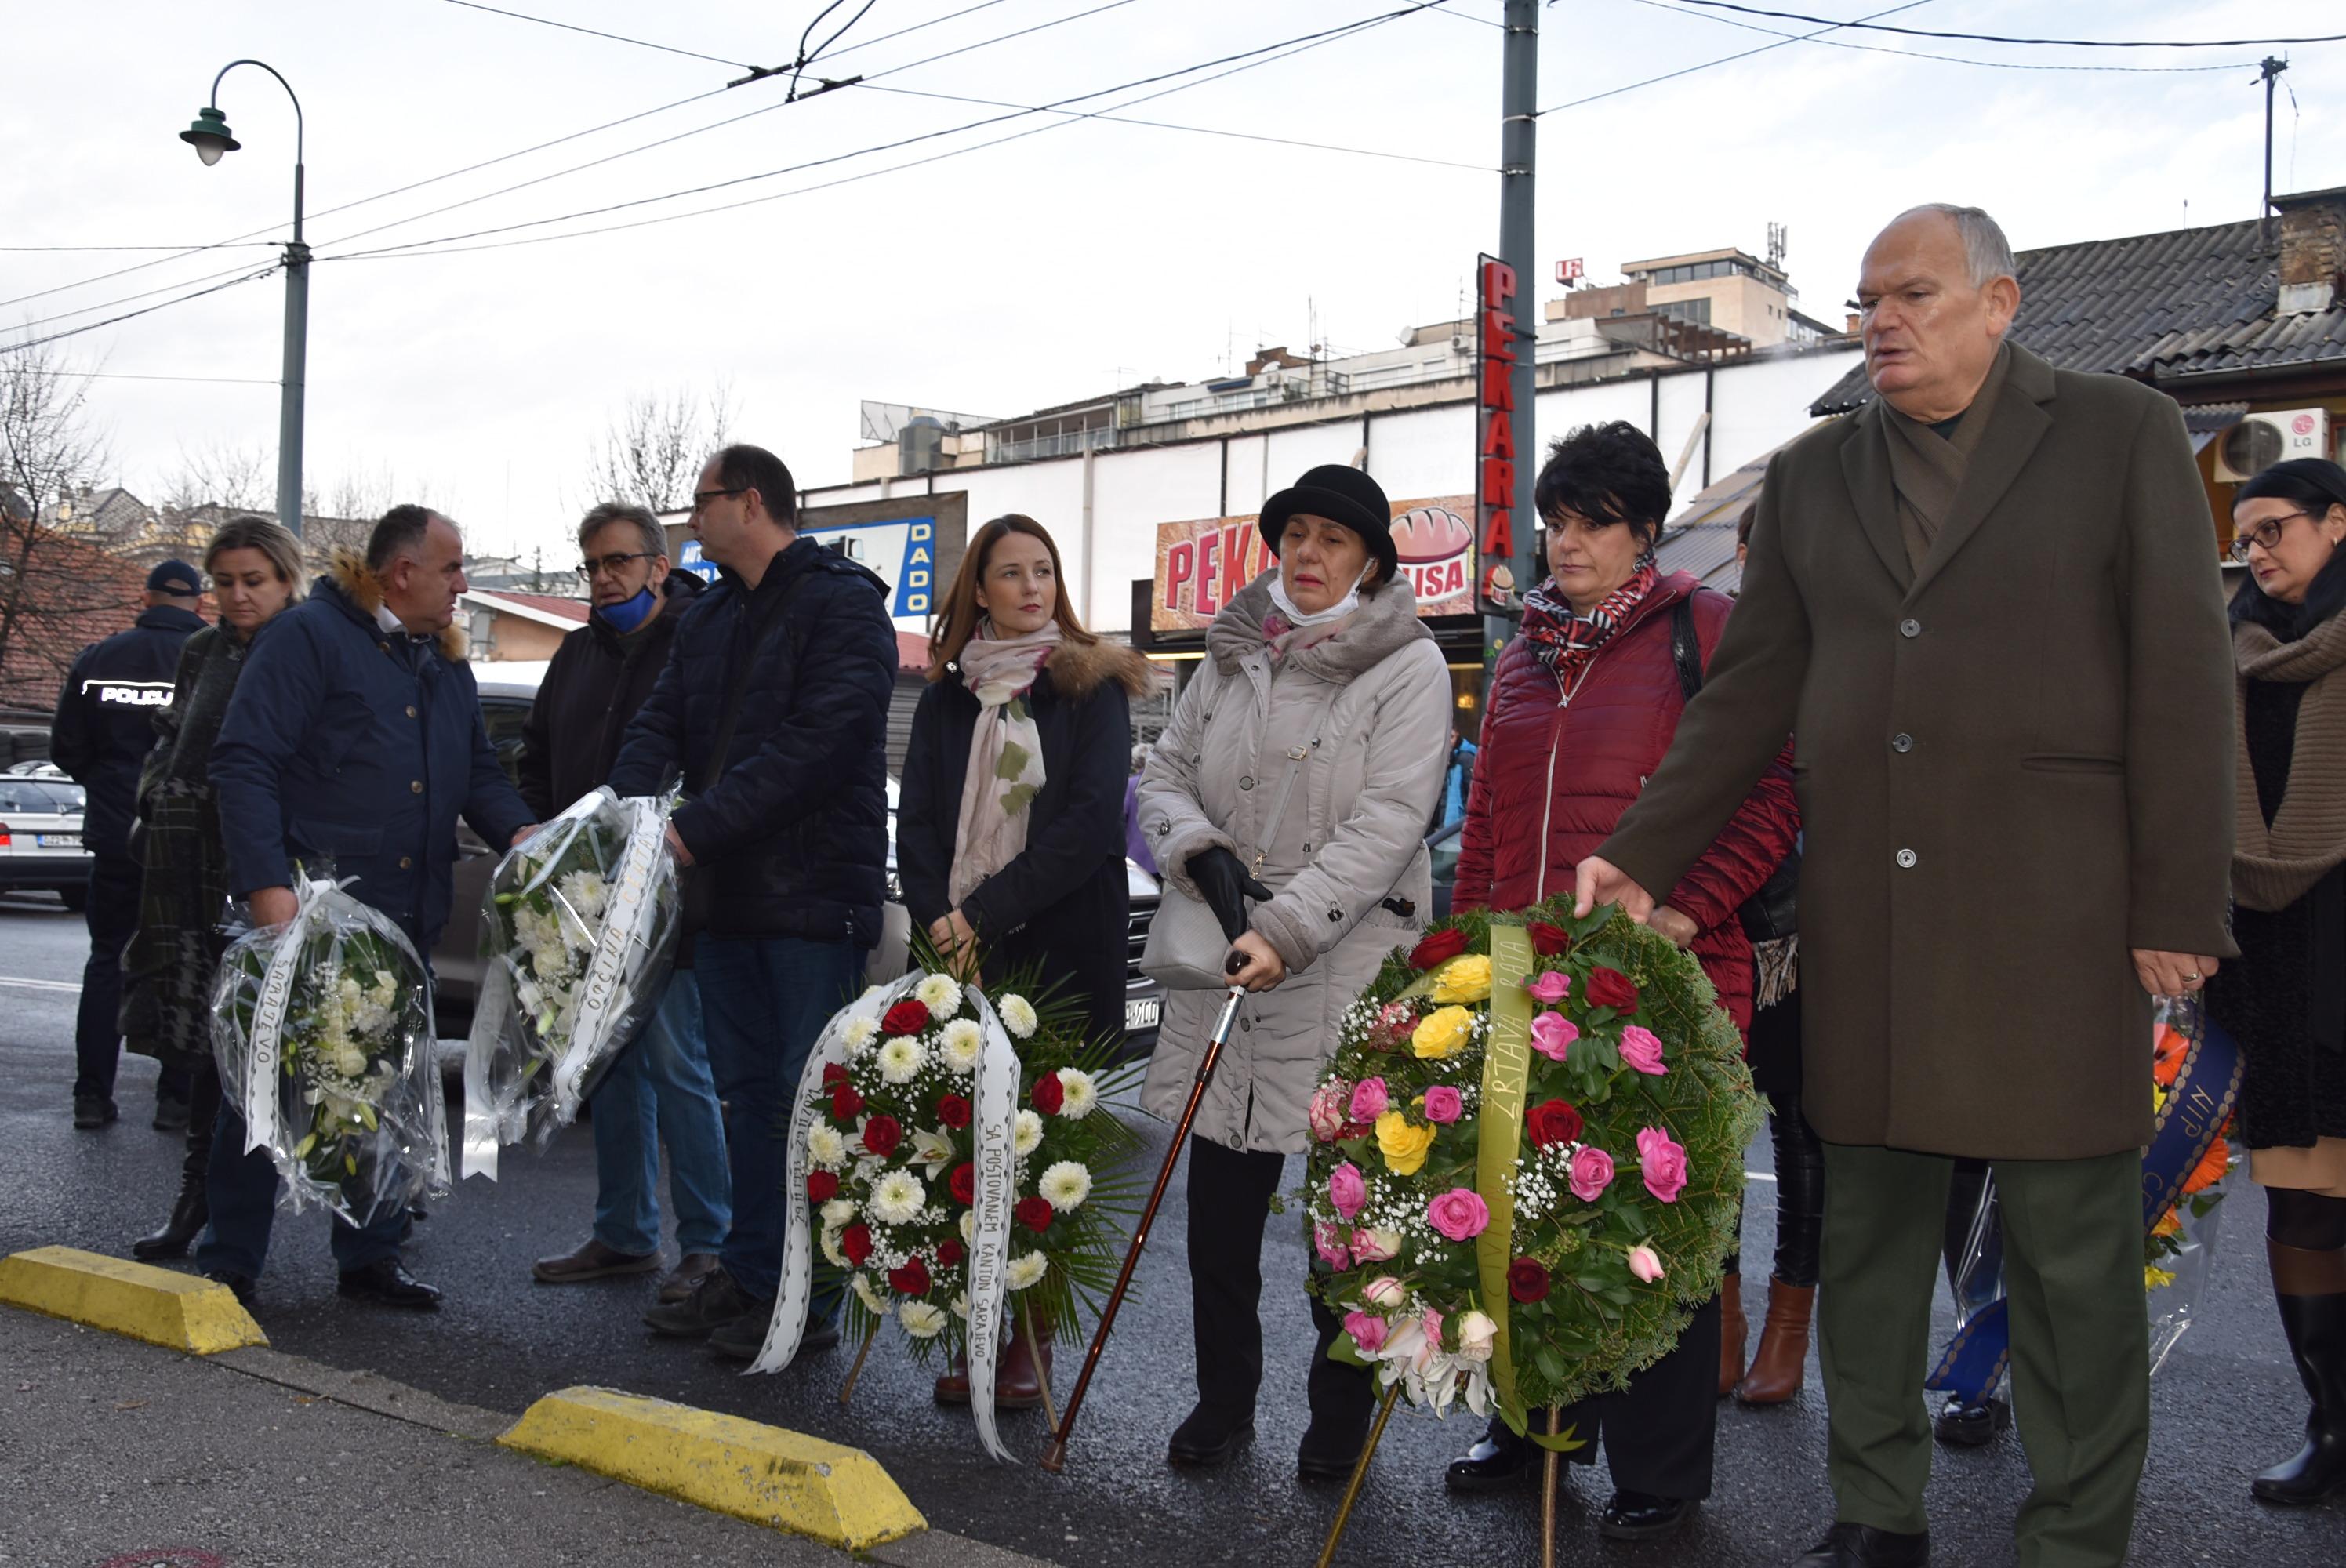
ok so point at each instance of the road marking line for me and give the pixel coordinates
(1758, 1176)
(38, 984)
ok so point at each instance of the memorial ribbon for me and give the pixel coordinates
(1507, 1077)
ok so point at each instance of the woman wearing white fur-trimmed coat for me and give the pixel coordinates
(1319, 664)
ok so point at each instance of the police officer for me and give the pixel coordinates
(103, 730)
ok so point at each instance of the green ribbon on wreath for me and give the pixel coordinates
(1506, 1078)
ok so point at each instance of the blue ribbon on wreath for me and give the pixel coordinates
(2197, 1104)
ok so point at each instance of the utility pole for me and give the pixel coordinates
(1518, 132)
(2271, 70)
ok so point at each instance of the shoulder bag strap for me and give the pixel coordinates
(1686, 648)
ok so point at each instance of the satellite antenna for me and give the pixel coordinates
(1778, 236)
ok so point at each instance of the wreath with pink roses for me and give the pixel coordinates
(1536, 1281)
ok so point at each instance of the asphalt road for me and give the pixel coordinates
(2225, 1405)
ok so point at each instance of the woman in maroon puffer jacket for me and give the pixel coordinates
(1581, 708)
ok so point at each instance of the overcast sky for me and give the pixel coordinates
(1011, 277)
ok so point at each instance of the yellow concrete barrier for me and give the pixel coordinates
(783, 1480)
(178, 1311)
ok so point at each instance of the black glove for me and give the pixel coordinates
(1220, 880)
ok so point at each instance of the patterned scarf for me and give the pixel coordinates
(1005, 753)
(1565, 640)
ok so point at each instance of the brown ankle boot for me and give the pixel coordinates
(1731, 1330)
(1783, 1353)
(1018, 1384)
(952, 1389)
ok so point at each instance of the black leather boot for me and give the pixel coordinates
(1209, 1436)
(1343, 1396)
(188, 1215)
(2316, 1326)
(1499, 1462)
(1848, 1545)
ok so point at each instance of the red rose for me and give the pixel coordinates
(844, 1103)
(913, 1279)
(964, 1183)
(1553, 1121)
(881, 1135)
(1611, 988)
(949, 1253)
(1033, 1213)
(1438, 948)
(952, 1111)
(907, 1017)
(1550, 941)
(833, 1075)
(1527, 1279)
(1048, 1094)
(856, 1244)
(821, 1186)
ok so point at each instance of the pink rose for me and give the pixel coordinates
(1384, 1292)
(1662, 1161)
(1374, 1245)
(1592, 1172)
(1459, 1214)
(1347, 1189)
(1326, 1115)
(1432, 1323)
(1327, 1241)
(1368, 1332)
(1644, 1263)
(1641, 1048)
(1369, 1100)
(1553, 1035)
(1443, 1103)
(1550, 987)
(1395, 1024)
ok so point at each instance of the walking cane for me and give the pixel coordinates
(1055, 1457)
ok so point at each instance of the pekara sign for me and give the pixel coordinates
(1201, 565)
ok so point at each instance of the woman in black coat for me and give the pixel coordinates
(1010, 829)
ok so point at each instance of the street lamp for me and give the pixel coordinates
(211, 139)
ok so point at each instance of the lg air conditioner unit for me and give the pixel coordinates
(2246, 449)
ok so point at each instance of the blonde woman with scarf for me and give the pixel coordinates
(1010, 832)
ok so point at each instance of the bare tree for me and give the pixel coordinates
(56, 592)
(653, 449)
(232, 479)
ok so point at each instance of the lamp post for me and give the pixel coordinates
(211, 139)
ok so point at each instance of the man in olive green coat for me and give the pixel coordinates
(1988, 607)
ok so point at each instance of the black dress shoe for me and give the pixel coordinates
(241, 1286)
(1331, 1448)
(1499, 1462)
(742, 1338)
(1208, 1437)
(1643, 1516)
(716, 1302)
(187, 1222)
(170, 1115)
(387, 1280)
(1961, 1424)
(1847, 1545)
(91, 1111)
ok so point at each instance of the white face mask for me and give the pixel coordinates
(1340, 608)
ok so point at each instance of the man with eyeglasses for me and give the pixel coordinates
(772, 710)
(659, 1088)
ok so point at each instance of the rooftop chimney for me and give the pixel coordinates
(2312, 249)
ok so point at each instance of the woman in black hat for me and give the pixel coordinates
(1289, 794)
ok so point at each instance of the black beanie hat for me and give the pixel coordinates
(1340, 493)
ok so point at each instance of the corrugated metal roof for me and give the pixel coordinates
(1702, 538)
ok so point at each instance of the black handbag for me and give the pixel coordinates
(1773, 912)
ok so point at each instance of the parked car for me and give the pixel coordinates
(40, 834)
(1441, 848)
(507, 692)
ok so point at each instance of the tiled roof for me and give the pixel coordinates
(572, 610)
(2193, 302)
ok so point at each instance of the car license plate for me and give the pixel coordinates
(70, 841)
(1142, 1013)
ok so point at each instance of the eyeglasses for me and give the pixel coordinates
(612, 564)
(2267, 534)
(702, 498)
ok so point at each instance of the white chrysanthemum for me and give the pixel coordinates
(941, 994)
(837, 1212)
(868, 1297)
(898, 1198)
(826, 1145)
(1066, 1184)
(1017, 1015)
(830, 1248)
(960, 1045)
(586, 893)
(969, 1228)
(961, 1306)
(1028, 1134)
(350, 1061)
(1081, 1093)
(902, 1059)
(859, 1033)
(921, 1320)
(1026, 1271)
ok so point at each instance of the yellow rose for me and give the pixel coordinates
(1467, 978)
(1443, 1031)
(1402, 1146)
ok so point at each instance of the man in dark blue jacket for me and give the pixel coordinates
(773, 710)
(353, 744)
(104, 728)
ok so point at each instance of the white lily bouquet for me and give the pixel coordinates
(322, 1030)
(578, 933)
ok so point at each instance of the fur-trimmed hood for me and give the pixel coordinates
(349, 572)
(1077, 670)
